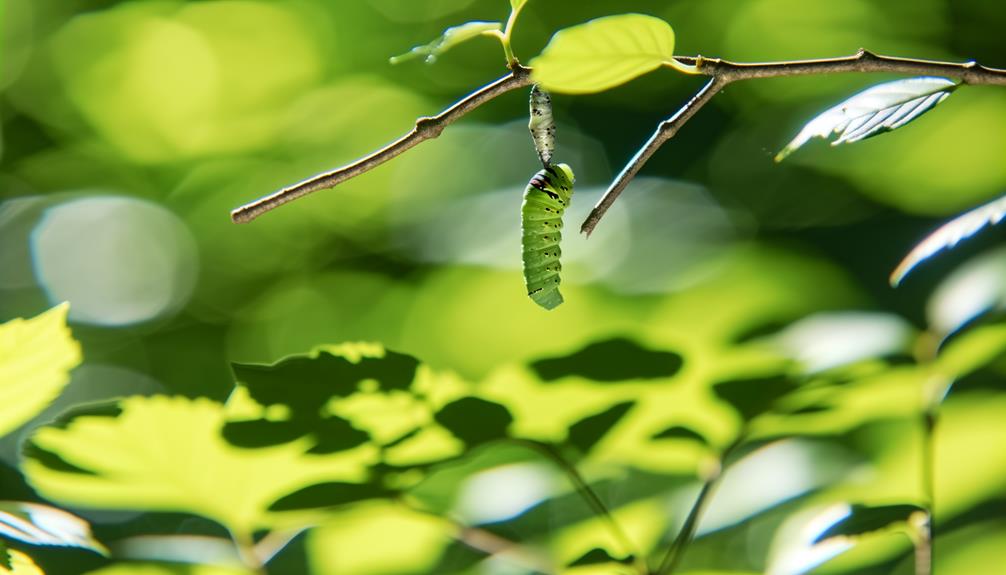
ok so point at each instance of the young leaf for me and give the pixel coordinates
(950, 234)
(604, 53)
(450, 38)
(879, 109)
(39, 524)
(36, 356)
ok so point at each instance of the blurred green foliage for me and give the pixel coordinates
(729, 313)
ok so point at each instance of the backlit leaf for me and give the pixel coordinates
(168, 454)
(604, 53)
(878, 109)
(20, 564)
(450, 38)
(36, 356)
(39, 524)
(950, 234)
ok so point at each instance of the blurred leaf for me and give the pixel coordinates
(971, 290)
(879, 109)
(754, 396)
(587, 432)
(612, 360)
(20, 564)
(474, 420)
(603, 53)
(36, 356)
(972, 350)
(107, 462)
(832, 339)
(5, 562)
(450, 38)
(39, 524)
(191, 549)
(950, 234)
(168, 569)
(516, 5)
(864, 519)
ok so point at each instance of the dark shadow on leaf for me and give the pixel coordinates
(754, 396)
(4, 557)
(612, 360)
(256, 433)
(337, 434)
(51, 460)
(681, 432)
(598, 556)
(329, 495)
(306, 383)
(474, 420)
(587, 432)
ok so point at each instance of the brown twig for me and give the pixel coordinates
(723, 72)
(425, 129)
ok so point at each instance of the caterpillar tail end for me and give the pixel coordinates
(548, 299)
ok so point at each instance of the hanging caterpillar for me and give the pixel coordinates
(545, 200)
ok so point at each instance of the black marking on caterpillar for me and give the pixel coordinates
(545, 201)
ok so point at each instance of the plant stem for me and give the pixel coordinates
(722, 72)
(245, 545)
(665, 131)
(592, 499)
(425, 129)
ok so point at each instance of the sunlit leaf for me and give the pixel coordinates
(450, 38)
(169, 569)
(879, 109)
(20, 564)
(604, 53)
(950, 234)
(863, 519)
(167, 454)
(39, 524)
(972, 350)
(36, 356)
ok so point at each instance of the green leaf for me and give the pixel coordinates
(5, 562)
(516, 5)
(972, 350)
(753, 396)
(604, 53)
(450, 38)
(864, 519)
(167, 454)
(20, 564)
(169, 569)
(36, 357)
(38, 524)
(876, 110)
(950, 234)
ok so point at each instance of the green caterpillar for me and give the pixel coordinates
(545, 200)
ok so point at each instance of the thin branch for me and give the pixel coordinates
(425, 129)
(724, 72)
(665, 131)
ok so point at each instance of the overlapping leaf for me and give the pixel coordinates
(450, 38)
(878, 109)
(19, 563)
(39, 524)
(604, 53)
(36, 356)
(950, 234)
